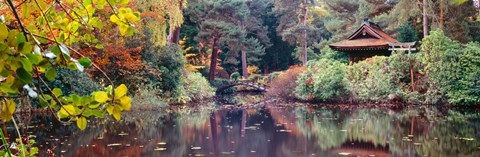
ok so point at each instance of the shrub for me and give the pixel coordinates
(235, 76)
(464, 83)
(74, 82)
(284, 83)
(170, 61)
(328, 53)
(371, 80)
(197, 87)
(148, 97)
(323, 80)
(437, 55)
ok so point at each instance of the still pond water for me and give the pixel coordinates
(303, 131)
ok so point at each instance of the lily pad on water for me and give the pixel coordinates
(160, 149)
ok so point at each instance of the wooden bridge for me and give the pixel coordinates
(256, 86)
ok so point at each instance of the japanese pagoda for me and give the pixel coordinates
(367, 41)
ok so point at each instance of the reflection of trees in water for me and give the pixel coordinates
(370, 126)
(321, 130)
(385, 129)
(438, 134)
(322, 126)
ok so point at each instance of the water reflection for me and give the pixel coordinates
(274, 132)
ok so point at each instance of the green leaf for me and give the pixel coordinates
(26, 64)
(25, 48)
(84, 61)
(23, 75)
(3, 32)
(99, 46)
(25, 10)
(101, 97)
(120, 91)
(57, 91)
(98, 113)
(123, 2)
(34, 59)
(51, 74)
(56, 50)
(72, 66)
(82, 123)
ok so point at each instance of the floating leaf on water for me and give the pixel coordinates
(123, 134)
(344, 153)
(63, 151)
(252, 151)
(161, 143)
(114, 144)
(417, 144)
(227, 153)
(196, 148)
(199, 155)
(343, 130)
(257, 124)
(284, 130)
(159, 149)
(410, 135)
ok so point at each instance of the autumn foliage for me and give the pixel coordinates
(283, 85)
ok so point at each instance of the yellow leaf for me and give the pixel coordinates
(123, 29)
(101, 97)
(114, 18)
(110, 109)
(82, 123)
(11, 106)
(126, 102)
(66, 111)
(117, 113)
(121, 91)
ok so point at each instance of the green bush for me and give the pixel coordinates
(437, 56)
(328, 53)
(170, 61)
(372, 80)
(235, 76)
(74, 82)
(323, 80)
(197, 87)
(148, 97)
(464, 85)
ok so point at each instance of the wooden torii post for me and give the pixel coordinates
(409, 46)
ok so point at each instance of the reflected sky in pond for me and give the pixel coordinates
(271, 132)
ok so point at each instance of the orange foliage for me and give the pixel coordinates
(284, 84)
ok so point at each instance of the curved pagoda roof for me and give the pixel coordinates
(368, 37)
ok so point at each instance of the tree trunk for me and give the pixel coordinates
(425, 19)
(244, 65)
(442, 20)
(173, 36)
(174, 33)
(213, 60)
(304, 51)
